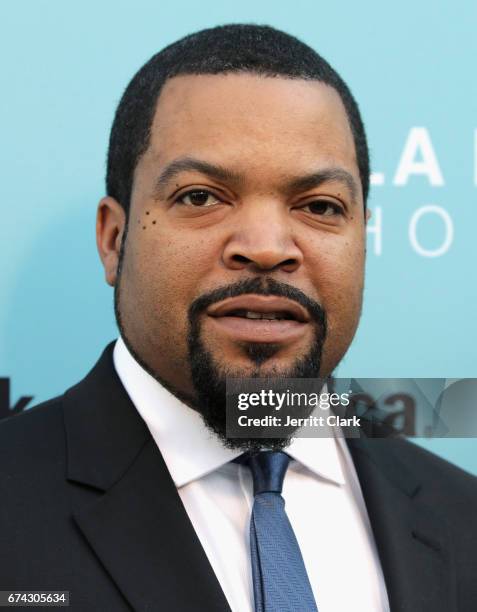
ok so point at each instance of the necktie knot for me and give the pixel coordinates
(268, 471)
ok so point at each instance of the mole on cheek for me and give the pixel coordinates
(154, 223)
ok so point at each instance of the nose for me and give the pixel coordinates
(262, 240)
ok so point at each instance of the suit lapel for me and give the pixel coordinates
(138, 526)
(413, 543)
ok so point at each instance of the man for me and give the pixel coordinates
(233, 233)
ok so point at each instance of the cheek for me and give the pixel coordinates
(165, 274)
(338, 273)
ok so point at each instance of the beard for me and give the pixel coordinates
(210, 378)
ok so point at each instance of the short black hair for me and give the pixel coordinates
(258, 49)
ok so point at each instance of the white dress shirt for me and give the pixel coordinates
(323, 501)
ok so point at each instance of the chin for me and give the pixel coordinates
(258, 364)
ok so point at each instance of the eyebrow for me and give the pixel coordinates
(316, 179)
(184, 164)
(218, 172)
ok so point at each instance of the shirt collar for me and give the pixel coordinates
(190, 450)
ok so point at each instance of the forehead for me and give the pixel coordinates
(251, 120)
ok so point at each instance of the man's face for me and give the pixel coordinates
(250, 186)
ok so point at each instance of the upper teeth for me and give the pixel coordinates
(261, 315)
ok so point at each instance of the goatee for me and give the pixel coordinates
(210, 378)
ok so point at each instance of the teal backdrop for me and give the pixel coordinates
(410, 65)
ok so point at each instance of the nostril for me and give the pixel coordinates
(240, 259)
(289, 262)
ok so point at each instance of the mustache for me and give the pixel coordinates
(259, 286)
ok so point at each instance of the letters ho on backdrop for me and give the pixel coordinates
(418, 158)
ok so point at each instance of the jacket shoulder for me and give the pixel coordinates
(441, 479)
(32, 439)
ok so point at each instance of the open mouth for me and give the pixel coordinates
(260, 307)
(260, 318)
(270, 316)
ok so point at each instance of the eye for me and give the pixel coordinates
(198, 197)
(324, 208)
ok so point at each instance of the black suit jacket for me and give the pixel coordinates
(87, 505)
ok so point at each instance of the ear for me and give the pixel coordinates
(110, 226)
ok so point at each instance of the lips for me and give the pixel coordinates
(260, 318)
(260, 307)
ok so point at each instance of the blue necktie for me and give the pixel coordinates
(280, 581)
